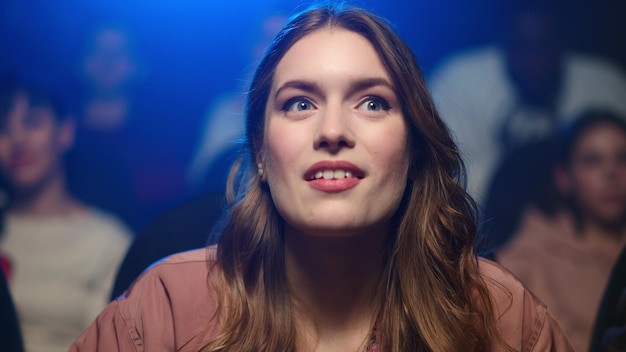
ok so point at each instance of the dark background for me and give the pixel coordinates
(193, 49)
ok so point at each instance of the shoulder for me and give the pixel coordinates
(177, 274)
(539, 239)
(182, 275)
(171, 304)
(524, 321)
(504, 288)
(592, 65)
(465, 78)
(102, 222)
(196, 261)
(594, 75)
(174, 299)
(473, 62)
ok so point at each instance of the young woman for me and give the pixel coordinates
(348, 229)
(63, 253)
(566, 257)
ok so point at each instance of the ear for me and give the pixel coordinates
(66, 133)
(562, 179)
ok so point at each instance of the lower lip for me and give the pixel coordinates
(334, 185)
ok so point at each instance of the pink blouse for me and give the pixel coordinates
(172, 303)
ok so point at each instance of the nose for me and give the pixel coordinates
(333, 131)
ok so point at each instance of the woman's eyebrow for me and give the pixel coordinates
(303, 85)
(360, 84)
(354, 86)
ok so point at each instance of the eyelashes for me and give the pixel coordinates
(297, 104)
(374, 103)
(369, 103)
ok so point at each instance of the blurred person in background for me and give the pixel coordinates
(109, 73)
(223, 123)
(63, 253)
(498, 98)
(125, 159)
(182, 228)
(188, 225)
(564, 251)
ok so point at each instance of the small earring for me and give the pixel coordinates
(260, 169)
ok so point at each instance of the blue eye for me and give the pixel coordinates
(298, 104)
(374, 104)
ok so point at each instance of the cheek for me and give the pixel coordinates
(391, 149)
(395, 163)
(281, 153)
(43, 139)
(588, 183)
(47, 146)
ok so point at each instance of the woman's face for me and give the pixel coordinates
(598, 173)
(32, 142)
(335, 151)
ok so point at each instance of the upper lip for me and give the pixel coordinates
(333, 165)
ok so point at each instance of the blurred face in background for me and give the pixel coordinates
(596, 176)
(533, 52)
(32, 144)
(109, 64)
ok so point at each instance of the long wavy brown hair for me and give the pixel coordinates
(431, 296)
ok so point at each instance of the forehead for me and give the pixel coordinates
(329, 52)
(22, 104)
(14, 102)
(603, 134)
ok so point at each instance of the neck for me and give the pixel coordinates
(49, 199)
(334, 283)
(608, 236)
(600, 231)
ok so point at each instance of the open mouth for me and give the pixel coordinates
(332, 174)
(333, 170)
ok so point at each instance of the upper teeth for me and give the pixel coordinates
(330, 174)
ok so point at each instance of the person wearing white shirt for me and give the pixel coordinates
(63, 253)
(498, 97)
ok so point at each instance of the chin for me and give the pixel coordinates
(342, 229)
(26, 184)
(611, 219)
